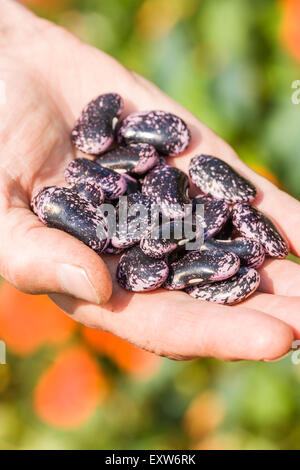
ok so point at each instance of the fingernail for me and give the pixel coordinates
(74, 281)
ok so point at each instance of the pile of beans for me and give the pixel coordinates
(128, 159)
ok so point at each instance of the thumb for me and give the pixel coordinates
(38, 259)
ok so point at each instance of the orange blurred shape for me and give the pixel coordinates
(218, 442)
(127, 356)
(290, 27)
(29, 321)
(70, 390)
(156, 18)
(45, 3)
(204, 415)
(265, 172)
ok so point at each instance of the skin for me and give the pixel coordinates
(50, 77)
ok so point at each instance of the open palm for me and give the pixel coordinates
(49, 76)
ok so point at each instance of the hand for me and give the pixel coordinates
(50, 75)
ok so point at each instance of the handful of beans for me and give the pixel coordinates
(129, 160)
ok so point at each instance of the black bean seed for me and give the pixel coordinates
(215, 177)
(200, 267)
(135, 158)
(250, 252)
(168, 187)
(230, 291)
(166, 132)
(64, 209)
(251, 223)
(82, 169)
(138, 272)
(216, 213)
(138, 218)
(91, 191)
(94, 130)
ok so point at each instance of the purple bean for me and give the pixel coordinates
(250, 252)
(215, 177)
(166, 132)
(112, 250)
(135, 158)
(139, 273)
(94, 131)
(91, 191)
(168, 187)
(199, 267)
(251, 223)
(82, 169)
(135, 222)
(230, 291)
(216, 213)
(169, 236)
(64, 209)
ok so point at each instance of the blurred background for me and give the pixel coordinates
(232, 63)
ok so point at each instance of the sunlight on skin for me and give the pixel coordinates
(50, 76)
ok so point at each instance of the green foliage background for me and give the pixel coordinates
(223, 60)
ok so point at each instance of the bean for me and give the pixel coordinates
(94, 131)
(168, 187)
(139, 273)
(253, 224)
(230, 291)
(136, 222)
(157, 248)
(250, 252)
(155, 251)
(201, 267)
(135, 158)
(90, 190)
(169, 236)
(213, 176)
(64, 209)
(166, 132)
(82, 169)
(216, 213)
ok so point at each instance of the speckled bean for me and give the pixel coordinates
(216, 212)
(199, 267)
(168, 133)
(230, 291)
(128, 237)
(134, 158)
(64, 209)
(251, 223)
(138, 272)
(94, 131)
(215, 177)
(157, 248)
(168, 187)
(171, 235)
(250, 252)
(82, 169)
(91, 191)
(112, 250)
